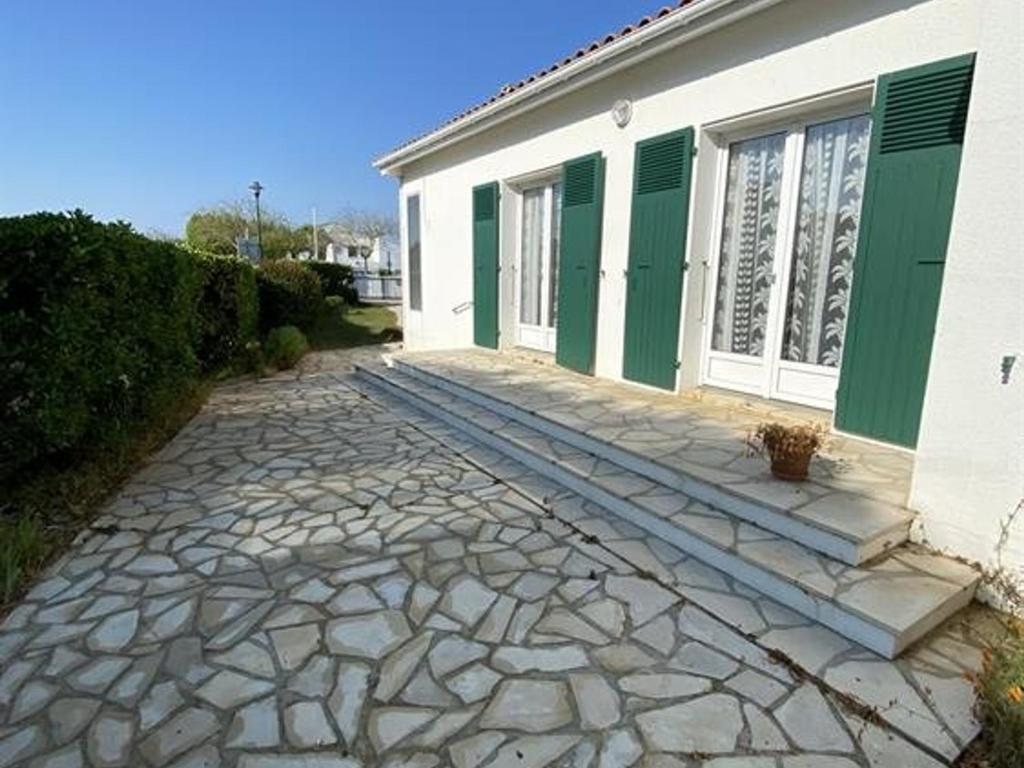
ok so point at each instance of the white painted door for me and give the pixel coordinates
(537, 289)
(789, 206)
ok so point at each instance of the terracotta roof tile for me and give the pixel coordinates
(510, 88)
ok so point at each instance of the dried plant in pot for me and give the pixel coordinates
(788, 447)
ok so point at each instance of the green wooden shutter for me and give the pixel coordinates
(917, 135)
(485, 265)
(582, 206)
(657, 256)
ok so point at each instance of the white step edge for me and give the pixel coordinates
(885, 641)
(827, 542)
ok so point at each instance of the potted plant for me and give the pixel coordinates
(789, 448)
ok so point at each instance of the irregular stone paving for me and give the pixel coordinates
(899, 593)
(925, 691)
(305, 577)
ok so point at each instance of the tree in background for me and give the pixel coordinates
(323, 239)
(280, 239)
(218, 229)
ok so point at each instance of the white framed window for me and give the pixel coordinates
(414, 252)
(788, 208)
(540, 209)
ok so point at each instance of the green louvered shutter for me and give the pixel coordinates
(657, 256)
(485, 265)
(917, 134)
(579, 261)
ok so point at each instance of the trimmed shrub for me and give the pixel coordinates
(285, 346)
(227, 311)
(336, 280)
(289, 294)
(96, 326)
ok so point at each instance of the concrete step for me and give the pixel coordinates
(853, 532)
(884, 606)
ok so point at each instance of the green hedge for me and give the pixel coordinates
(227, 313)
(100, 328)
(289, 294)
(336, 280)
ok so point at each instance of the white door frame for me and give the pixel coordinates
(539, 337)
(768, 376)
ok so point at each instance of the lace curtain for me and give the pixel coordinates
(831, 190)
(532, 253)
(556, 246)
(748, 244)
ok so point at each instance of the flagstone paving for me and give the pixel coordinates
(926, 692)
(308, 577)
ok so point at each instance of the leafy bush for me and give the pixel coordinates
(334, 303)
(96, 325)
(101, 328)
(285, 346)
(226, 309)
(289, 294)
(103, 333)
(1000, 689)
(336, 280)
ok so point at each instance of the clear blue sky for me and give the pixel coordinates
(147, 109)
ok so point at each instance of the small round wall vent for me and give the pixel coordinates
(622, 112)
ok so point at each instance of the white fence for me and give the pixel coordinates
(372, 286)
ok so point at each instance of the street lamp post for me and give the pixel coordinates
(256, 188)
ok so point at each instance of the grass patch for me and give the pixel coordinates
(23, 549)
(342, 327)
(41, 515)
(1000, 689)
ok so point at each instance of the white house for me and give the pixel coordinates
(348, 249)
(813, 202)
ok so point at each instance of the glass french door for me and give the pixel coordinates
(537, 290)
(790, 212)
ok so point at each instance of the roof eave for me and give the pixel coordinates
(686, 24)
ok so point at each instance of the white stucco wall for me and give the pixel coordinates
(969, 471)
(970, 466)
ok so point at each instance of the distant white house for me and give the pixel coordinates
(374, 255)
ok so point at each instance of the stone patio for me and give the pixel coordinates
(309, 577)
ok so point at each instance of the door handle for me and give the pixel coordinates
(704, 288)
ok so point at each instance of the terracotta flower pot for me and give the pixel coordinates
(791, 467)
